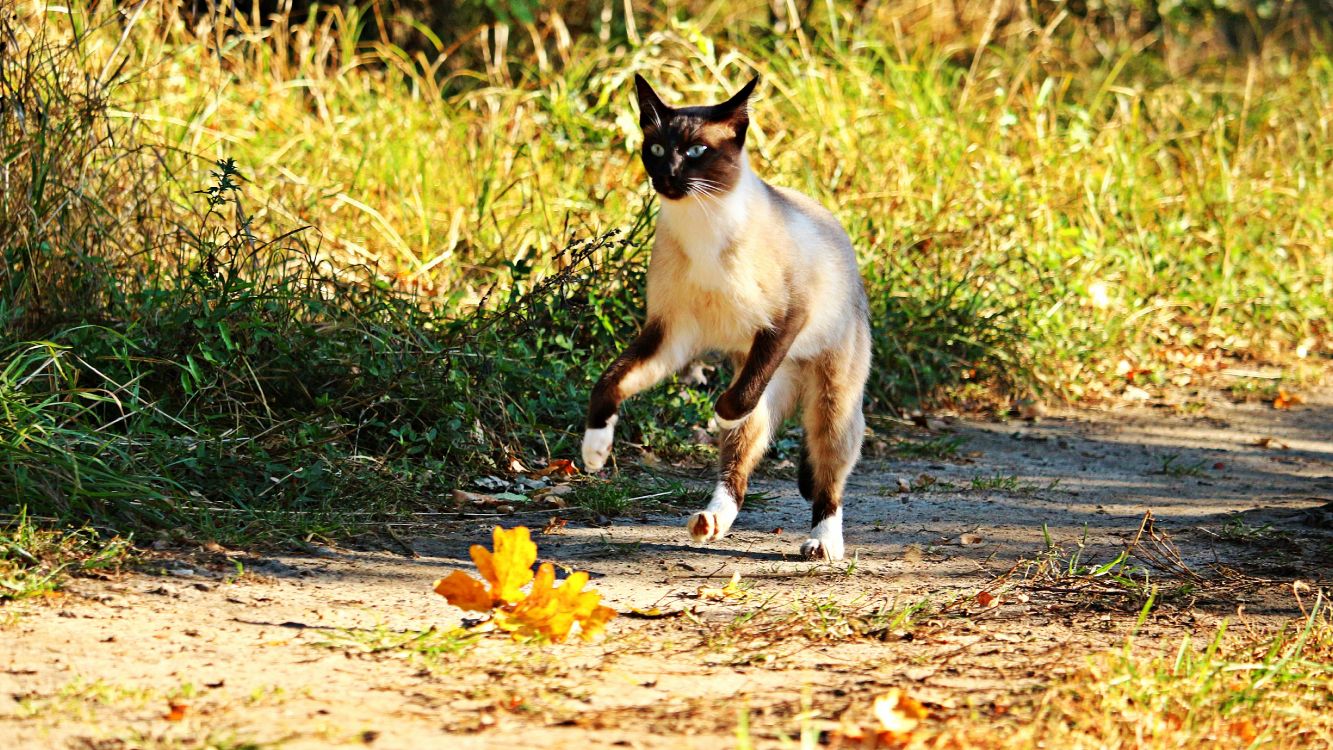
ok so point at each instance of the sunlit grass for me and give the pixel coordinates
(1091, 208)
(1040, 213)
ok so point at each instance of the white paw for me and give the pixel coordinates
(731, 424)
(715, 521)
(597, 445)
(825, 542)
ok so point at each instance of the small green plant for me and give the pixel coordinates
(998, 482)
(1121, 575)
(1173, 466)
(1254, 389)
(36, 560)
(433, 648)
(939, 448)
(1238, 531)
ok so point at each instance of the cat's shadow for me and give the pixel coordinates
(679, 550)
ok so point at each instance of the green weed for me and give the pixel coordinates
(231, 306)
(36, 560)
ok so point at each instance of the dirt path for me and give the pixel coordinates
(299, 652)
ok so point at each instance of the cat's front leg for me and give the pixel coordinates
(768, 350)
(655, 353)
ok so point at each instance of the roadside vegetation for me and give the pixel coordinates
(286, 277)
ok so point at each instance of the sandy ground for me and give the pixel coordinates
(286, 655)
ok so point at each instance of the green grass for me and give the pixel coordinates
(942, 447)
(35, 560)
(264, 282)
(431, 648)
(1174, 466)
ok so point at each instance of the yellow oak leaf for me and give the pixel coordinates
(509, 568)
(464, 591)
(552, 612)
(595, 624)
(899, 715)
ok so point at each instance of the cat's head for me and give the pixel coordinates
(693, 150)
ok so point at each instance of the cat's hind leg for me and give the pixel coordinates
(834, 428)
(740, 449)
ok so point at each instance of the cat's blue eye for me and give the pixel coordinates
(695, 151)
(656, 149)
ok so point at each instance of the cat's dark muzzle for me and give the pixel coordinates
(668, 190)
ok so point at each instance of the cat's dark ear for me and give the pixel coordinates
(739, 104)
(651, 109)
(736, 110)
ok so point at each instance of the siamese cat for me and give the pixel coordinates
(764, 274)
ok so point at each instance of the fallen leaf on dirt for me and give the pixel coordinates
(560, 467)
(777, 531)
(509, 567)
(1271, 442)
(463, 497)
(970, 538)
(552, 612)
(545, 610)
(464, 591)
(1244, 729)
(554, 525)
(1286, 400)
(899, 715)
(986, 599)
(516, 466)
(176, 711)
(732, 589)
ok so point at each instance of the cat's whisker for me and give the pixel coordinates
(701, 204)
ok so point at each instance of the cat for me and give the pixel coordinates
(766, 275)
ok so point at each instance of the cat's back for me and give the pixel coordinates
(802, 214)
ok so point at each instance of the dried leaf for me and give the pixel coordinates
(545, 610)
(1271, 442)
(464, 591)
(463, 497)
(1286, 400)
(176, 711)
(732, 589)
(970, 538)
(986, 599)
(554, 525)
(562, 467)
(553, 612)
(898, 714)
(509, 567)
